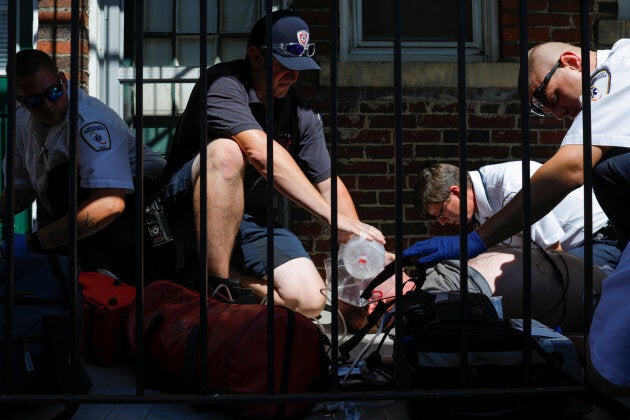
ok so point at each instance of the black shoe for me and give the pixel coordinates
(236, 293)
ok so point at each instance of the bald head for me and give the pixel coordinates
(555, 79)
(543, 56)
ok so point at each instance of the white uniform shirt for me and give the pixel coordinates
(105, 150)
(496, 185)
(610, 95)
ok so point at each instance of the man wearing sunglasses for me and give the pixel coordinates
(105, 166)
(237, 169)
(491, 187)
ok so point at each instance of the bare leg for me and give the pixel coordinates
(225, 202)
(557, 285)
(298, 286)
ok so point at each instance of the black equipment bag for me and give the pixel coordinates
(432, 341)
(41, 356)
(433, 338)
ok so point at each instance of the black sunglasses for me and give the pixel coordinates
(53, 93)
(539, 97)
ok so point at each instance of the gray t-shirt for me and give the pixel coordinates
(233, 107)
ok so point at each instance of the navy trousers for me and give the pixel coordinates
(611, 184)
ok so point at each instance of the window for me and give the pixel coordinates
(171, 54)
(4, 34)
(429, 30)
(171, 30)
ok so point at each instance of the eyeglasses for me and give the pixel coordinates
(294, 49)
(539, 97)
(53, 93)
(441, 209)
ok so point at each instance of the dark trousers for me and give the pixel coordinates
(611, 184)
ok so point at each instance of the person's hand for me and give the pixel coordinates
(358, 228)
(431, 251)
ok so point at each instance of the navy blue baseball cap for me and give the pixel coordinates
(290, 38)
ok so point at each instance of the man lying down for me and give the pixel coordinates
(557, 281)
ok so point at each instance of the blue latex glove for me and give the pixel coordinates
(20, 248)
(431, 251)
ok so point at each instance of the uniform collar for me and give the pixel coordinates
(481, 197)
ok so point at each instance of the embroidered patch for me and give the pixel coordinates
(95, 134)
(302, 37)
(600, 84)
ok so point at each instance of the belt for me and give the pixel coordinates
(606, 232)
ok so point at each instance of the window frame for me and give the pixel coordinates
(483, 48)
(112, 73)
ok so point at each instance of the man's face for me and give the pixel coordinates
(561, 93)
(447, 211)
(41, 95)
(282, 79)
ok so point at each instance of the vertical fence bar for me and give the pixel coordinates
(334, 172)
(463, 173)
(73, 130)
(398, 339)
(139, 126)
(8, 225)
(588, 157)
(525, 175)
(269, 196)
(203, 187)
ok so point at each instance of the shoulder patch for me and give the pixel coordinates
(95, 134)
(600, 84)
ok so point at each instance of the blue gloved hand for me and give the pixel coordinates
(20, 248)
(431, 251)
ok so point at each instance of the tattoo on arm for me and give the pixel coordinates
(87, 226)
(59, 237)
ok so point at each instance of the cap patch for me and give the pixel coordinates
(600, 84)
(302, 37)
(96, 136)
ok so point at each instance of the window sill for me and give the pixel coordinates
(381, 74)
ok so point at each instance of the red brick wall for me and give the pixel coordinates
(54, 34)
(366, 122)
(366, 114)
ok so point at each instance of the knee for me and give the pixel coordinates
(223, 157)
(311, 303)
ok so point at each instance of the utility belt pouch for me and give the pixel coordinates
(156, 221)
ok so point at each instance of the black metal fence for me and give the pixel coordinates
(334, 393)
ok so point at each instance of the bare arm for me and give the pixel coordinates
(560, 175)
(290, 181)
(345, 205)
(101, 208)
